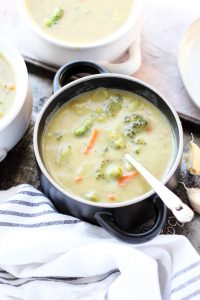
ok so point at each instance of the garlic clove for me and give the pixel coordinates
(194, 198)
(194, 159)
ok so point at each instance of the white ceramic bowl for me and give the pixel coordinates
(49, 50)
(14, 125)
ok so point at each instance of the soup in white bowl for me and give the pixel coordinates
(57, 32)
(15, 97)
(7, 87)
(79, 21)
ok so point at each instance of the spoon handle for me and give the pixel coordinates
(180, 210)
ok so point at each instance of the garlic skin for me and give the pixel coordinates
(194, 198)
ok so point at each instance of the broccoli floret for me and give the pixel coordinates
(114, 171)
(135, 120)
(130, 131)
(55, 17)
(114, 105)
(85, 127)
(100, 173)
(140, 141)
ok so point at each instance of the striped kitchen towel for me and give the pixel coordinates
(45, 255)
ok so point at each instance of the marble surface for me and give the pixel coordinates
(164, 22)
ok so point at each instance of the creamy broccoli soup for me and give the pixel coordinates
(84, 144)
(79, 21)
(7, 87)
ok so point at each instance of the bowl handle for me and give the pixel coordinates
(106, 220)
(131, 64)
(68, 72)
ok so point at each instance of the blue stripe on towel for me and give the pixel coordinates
(192, 295)
(27, 203)
(42, 224)
(27, 215)
(33, 201)
(183, 271)
(185, 284)
(34, 194)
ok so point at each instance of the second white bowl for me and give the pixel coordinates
(51, 51)
(14, 125)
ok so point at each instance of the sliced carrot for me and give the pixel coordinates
(78, 179)
(124, 179)
(92, 141)
(111, 196)
(149, 130)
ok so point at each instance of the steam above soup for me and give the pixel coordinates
(7, 87)
(84, 143)
(79, 21)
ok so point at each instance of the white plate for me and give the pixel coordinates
(189, 61)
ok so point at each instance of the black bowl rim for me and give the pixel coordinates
(102, 204)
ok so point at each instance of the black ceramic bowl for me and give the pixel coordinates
(120, 219)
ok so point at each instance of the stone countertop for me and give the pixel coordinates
(159, 48)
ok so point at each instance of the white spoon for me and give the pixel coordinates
(180, 210)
